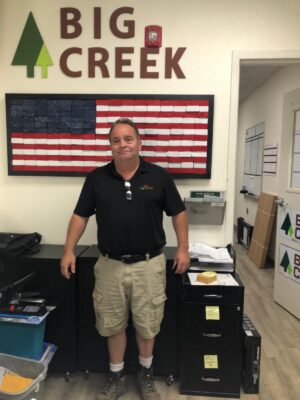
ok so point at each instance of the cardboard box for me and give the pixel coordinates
(262, 230)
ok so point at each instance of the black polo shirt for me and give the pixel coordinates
(129, 227)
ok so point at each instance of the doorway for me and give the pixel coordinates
(248, 66)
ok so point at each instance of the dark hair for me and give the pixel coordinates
(126, 121)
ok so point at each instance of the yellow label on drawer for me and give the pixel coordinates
(210, 361)
(212, 312)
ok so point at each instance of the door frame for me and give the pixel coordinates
(245, 58)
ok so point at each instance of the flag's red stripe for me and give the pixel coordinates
(158, 126)
(88, 168)
(60, 157)
(198, 171)
(52, 168)
(83, 169)
(174, 148)
(150, 102)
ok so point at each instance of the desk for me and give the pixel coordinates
(71, 326)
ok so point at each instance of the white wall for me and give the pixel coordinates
(264, 105)
(211, 31)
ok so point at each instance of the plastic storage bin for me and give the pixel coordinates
(35, 370)
(22, 339)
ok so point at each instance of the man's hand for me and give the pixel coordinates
(67, 264)
(76, 228)
(182, 256)
(181, 261)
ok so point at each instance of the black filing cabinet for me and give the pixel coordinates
(61, 323)
(92, 348)
(211, 339)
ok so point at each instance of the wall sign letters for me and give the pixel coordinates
(99, 61)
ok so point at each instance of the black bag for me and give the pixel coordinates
(16, 244)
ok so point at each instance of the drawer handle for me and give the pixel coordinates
(210, 379)
(212, 335)
(213, 296)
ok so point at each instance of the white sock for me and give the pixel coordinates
(145, 362)
(116, 367)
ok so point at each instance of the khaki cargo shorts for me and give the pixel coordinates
(139, 287)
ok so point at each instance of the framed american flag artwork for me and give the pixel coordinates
(67, 135)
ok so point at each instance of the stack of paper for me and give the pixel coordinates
(207, 253)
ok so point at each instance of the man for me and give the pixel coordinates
(128, 197)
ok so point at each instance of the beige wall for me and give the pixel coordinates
(211, 31)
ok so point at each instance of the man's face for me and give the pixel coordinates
(124, 143)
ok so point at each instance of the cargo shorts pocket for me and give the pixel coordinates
(103, 318)
(158, 304)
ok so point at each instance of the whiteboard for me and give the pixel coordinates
(253, 163)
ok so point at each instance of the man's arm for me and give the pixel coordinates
(182, 257)
(76, 228)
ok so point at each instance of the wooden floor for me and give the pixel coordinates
(280, 358)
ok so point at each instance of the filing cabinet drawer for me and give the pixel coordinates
(197, 327)
(214, 371)
(211, 294)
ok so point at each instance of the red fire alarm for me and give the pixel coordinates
(153, 36)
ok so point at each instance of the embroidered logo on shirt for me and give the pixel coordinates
(146, 187)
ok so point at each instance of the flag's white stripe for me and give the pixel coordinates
(199, 165)
(198, 143)
(102, 131)
(159, 120)
(168, 152)
(17, 162)
(147, 142)
(61, 152)
(195, 132)
(186, 164)
(17, 140)
(199, 154)
(151, 108)
(18, 151)
(163, 164)
(159, 131)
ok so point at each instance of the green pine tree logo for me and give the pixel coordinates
(287, 226)
(285, 263)
(31, 50)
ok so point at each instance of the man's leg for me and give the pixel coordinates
(147, 306)
(145, 346)
(145, 379)
(115, 386)
(116, 347)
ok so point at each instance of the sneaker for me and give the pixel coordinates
(115, 387)
(145, 384)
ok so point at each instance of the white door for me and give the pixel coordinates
(287, 265)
